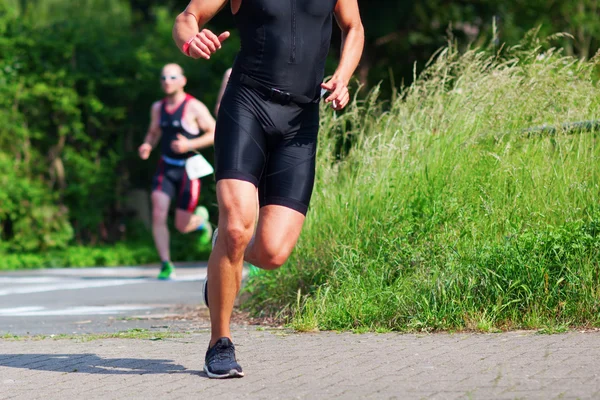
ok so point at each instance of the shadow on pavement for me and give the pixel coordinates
(92, 364)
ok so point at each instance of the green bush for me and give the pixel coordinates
(32, 221)
(184, 248)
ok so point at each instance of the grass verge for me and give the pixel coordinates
(440, 210)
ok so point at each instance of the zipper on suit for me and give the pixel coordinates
(293, 49)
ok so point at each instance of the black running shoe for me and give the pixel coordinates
(220, 361)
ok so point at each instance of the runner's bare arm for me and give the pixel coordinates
(353, 38)
(187, 35)
(222, 90)
(206, 123)
(153, 134)
(347, 15)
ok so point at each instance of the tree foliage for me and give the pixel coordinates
(76, 85)
(77, 82)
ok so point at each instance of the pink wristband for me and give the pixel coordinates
(186, 46)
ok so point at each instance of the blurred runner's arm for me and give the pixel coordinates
(206, 123)
(187, 35)
(222, 90)
(347, 15)
(153, 134)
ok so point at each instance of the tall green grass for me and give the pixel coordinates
(436, 211)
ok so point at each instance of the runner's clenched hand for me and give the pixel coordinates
(144, 151)
(340, 96)
(181, 144)
(204, 43)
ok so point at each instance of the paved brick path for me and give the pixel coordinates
(309, 366)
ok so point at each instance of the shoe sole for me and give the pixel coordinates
(234, 373)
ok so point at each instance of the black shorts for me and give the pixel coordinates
(173, 181)
(270, 145)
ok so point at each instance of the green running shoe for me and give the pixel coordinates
(253, 270)
(207, 231)
(167, 271)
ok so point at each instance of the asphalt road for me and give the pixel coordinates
(94, 300)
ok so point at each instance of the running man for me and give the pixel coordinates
(266, 135)
(183, 124)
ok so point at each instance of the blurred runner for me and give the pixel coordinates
(183, 125)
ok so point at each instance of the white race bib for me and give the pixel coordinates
(197, 167)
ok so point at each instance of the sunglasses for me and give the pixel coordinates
(169, 77)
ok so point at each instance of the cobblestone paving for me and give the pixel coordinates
(284, 365)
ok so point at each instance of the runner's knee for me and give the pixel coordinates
(159, 215)
(182, 226)
(236, 237)
(272, 256)
(273, 261)
(236, 217)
